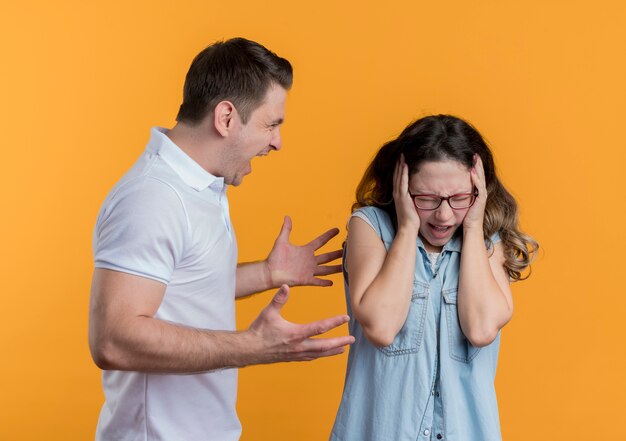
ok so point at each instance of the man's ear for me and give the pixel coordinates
(224, 117)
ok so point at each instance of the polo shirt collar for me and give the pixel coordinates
(189, 170)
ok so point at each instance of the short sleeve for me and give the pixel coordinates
(493, 239)
(379, 220)
(363, 217)
(141, 230)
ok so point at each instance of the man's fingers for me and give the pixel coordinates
(327, 270)
(328, 257)
(310, 356)
(280, 298)
(325, 348)
(320, 345)
(320, 282)
(285, 230)
(322, 239)
(332, 352)
(313, 355)
(322, 326)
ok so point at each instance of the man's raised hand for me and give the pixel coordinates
(295, 265)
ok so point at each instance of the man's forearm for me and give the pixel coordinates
(148, 344)
(252, 277)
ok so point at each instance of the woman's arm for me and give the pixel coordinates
(381, 282)
(484, 299)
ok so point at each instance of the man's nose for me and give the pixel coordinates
(276, 142)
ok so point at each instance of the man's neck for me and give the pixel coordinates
(199, 144)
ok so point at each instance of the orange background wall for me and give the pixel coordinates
(82, 81)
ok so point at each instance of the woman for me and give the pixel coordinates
(433, 243)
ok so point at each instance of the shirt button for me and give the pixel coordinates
(439, 436)
(437, 393)
(426, 432)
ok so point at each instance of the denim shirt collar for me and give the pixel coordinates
(453, 244)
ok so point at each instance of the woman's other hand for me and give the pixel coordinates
(405, 208)
(475, 215)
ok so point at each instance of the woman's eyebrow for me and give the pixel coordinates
(429, 193)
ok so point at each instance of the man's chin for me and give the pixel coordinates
(236, 181)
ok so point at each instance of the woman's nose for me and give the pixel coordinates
(444, 212)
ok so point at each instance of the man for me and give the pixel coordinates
(162, 315)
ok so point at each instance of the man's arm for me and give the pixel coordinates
(288, 264)
(124, 335)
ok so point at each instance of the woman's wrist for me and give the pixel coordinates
(473, 229)
(408, 229)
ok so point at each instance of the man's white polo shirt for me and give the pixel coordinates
(167, 219)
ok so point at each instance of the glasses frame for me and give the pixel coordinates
(441, 199)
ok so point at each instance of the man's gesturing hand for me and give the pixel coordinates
(298, 265)
(281, 340)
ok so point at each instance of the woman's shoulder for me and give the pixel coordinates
(374, 214)
(378, 219)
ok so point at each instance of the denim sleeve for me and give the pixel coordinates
(362, 215)
(493, 239)
(379, 220)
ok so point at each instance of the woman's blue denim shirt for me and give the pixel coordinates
(430, 383)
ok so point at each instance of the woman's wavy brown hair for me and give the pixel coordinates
(445, 137)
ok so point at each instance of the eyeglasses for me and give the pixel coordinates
(456, 201)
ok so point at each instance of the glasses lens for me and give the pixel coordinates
(462, 201)
(427, 202)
